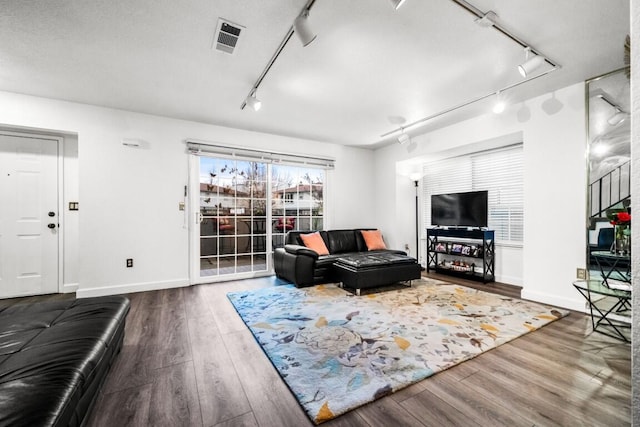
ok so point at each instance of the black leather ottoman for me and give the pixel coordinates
(54, 356)
(365, 270)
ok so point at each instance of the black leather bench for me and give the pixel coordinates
(367, 270)
(54, 356)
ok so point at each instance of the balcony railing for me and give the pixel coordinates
(610, 190)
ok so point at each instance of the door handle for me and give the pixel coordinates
(51, 225)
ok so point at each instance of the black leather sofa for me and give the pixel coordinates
(304, 267)
(54, 356)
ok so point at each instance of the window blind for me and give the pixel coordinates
(212, 149)
(499, 171)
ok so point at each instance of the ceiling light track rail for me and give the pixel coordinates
(464, 104)
(479, 14)
(530, 50)
(275, 56)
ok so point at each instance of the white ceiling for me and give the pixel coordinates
(610, 145)
(368, 66)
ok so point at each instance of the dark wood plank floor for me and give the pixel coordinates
(188, 360)
(512, 291)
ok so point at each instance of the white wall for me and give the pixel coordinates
(351, 202)
(555, 179)
(129, 196)
(71, 219)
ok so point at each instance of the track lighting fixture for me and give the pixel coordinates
(253, 102)
(302, 29)
(403, 138)
(397, 3)
(600, 149)
(531, 62)
(618, 117)
(487, 20)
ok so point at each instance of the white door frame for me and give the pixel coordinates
(60, 196)
(193, 221)
(193, 212)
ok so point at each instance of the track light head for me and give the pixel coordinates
(600, 149)
(618, 117)
(253, 102)
(487, 20)
(397, 3)
(403, 138)
(302, 29)
(531, 63)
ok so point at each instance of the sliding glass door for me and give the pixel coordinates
(297, 200)
(233, 216)
(242, 209)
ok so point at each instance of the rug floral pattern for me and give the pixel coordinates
(337, 351)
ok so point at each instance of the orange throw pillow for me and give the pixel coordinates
(373, 239)
(314, 242)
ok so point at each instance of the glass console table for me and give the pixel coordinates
(613, 267)
(622, 302)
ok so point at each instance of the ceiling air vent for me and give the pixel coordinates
(227, 35)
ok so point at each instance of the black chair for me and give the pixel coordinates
(605, 240)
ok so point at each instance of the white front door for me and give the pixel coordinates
(28, 215)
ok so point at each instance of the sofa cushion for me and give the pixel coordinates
(293, 237)
(314, 242)
(341, 241)
(373, 239)
(375, 258)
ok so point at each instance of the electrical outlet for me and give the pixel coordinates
(581, 273)
(129, 262)
(406, 246)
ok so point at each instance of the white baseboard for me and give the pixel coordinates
(85, 292)
(509, 280)
(576, 304)
(69, 288)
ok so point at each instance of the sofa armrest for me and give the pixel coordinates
(297, 266)
(300, 250)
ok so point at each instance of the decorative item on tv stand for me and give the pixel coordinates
(462, 251)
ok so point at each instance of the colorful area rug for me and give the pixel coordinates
(337, 351)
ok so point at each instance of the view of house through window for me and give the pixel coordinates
(246, 208)
(297, 199)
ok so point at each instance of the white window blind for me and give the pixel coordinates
(224, 151)
(498, 171)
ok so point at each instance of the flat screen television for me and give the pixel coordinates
(468, 209)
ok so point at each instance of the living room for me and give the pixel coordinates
(131, 195)
(141, 195)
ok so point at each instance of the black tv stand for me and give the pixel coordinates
(463, 252)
